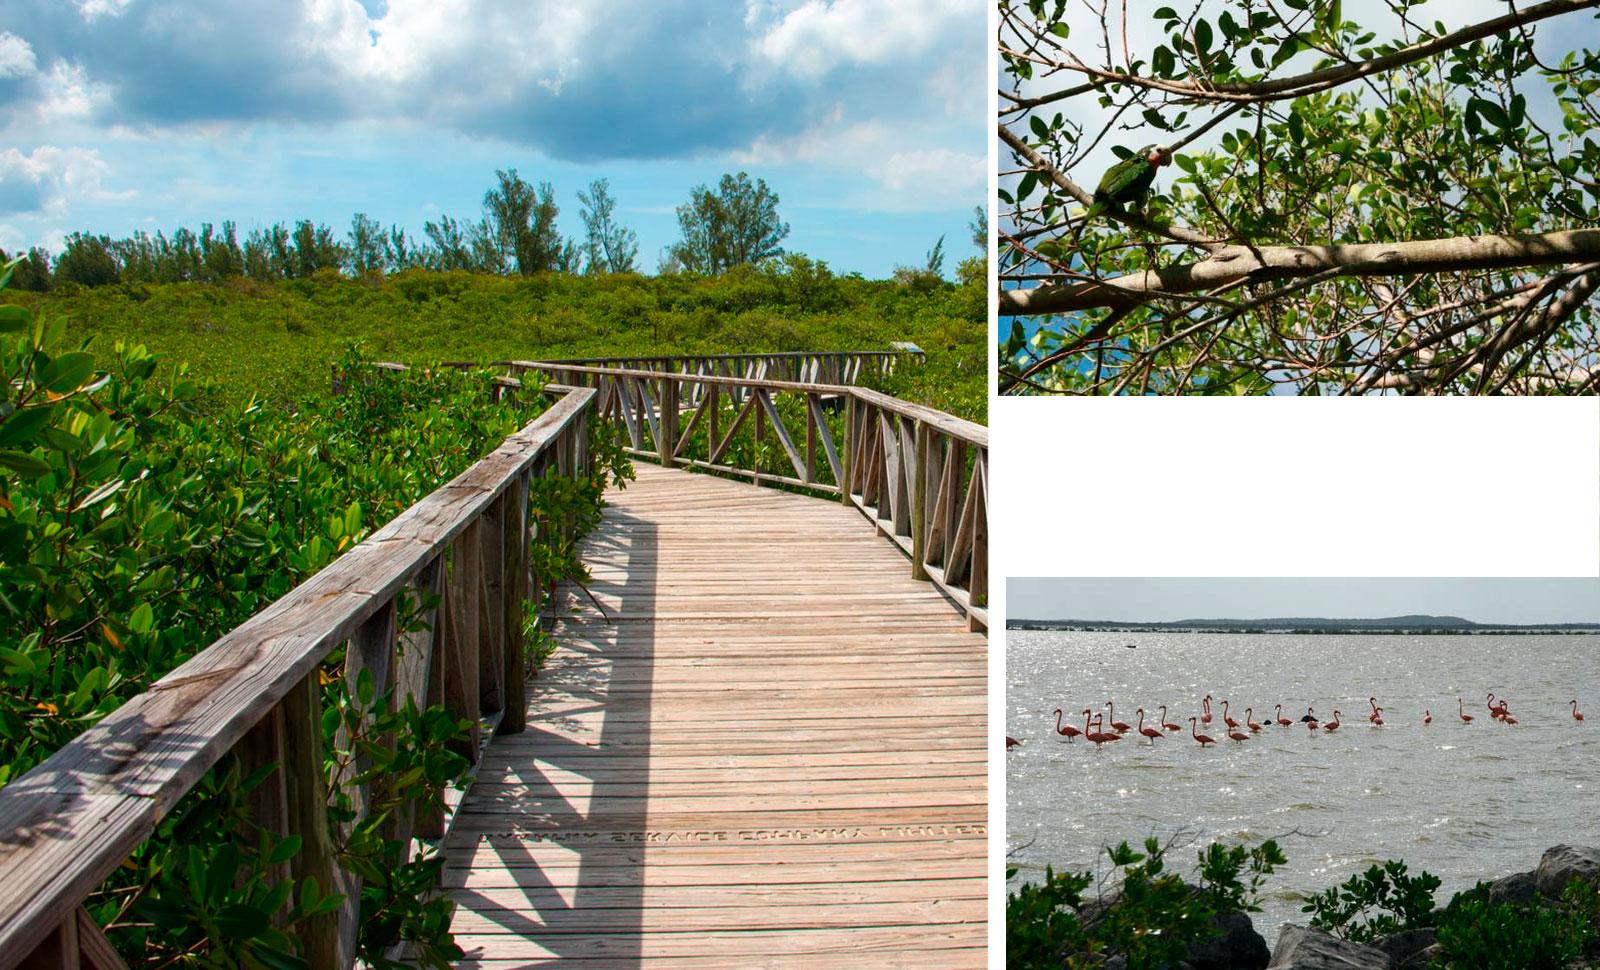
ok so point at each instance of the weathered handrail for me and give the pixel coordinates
(919, 474)
(807, 366)
(65, 825)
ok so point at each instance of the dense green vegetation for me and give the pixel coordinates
(1154, 917)
(1151, 921)
(276, 339)
(143, 513)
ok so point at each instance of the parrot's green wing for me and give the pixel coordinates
(1125, 183)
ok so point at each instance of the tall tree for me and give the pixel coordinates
(315, 249)
(366, 246)
(520, 224)
(1385, 205)
(608, 247)
(87, 259)
(735, 225)
(448, 244)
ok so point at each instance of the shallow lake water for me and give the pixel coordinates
(1463, 801)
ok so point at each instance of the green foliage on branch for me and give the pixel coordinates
(1383, 900)
(1483, 135)
(1477, 934)
(1151, 920)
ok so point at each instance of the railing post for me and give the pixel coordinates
(846, 448)
(669, 418)
(493, 613)
(514, 538)
(917, 492)
(307, 797)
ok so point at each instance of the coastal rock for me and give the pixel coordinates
(1239, 947)
(1304, 948)
(1562, 864)
(1406, 948)
(1519, 887)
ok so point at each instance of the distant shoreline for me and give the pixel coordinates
(1415, 625)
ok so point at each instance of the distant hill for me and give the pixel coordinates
(1409, 623)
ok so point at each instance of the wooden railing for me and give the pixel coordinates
(810, 367)
(920, 475)
(255, 693)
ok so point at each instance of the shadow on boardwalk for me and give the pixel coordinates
(771, 753)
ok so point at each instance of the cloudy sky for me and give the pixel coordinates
(866, 116)
(1483, 600)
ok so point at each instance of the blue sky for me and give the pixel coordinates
(866, 116)
(1486, 600)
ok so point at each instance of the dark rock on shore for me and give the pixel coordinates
(1519, 887)
(1239, 947)
(1562, 864)
(1304, 948)
(1408, 949)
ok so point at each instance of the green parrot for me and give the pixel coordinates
(1128, 182)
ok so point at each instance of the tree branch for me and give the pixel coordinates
(1309, 82)
(1261, 264)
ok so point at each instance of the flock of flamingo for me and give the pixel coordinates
(1239, 732)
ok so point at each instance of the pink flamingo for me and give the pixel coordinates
(1205, 710)
(1121, 727)
(1332, 725)
(1249, 721)
(1373, 717)
(1202, 738)
(1278, 716)
(1461, 708)
(1168, 724)
(1098, 736)
(1577, 715)
(1427, 717)
(1151, 733)
(1377, 718)
(1230, 722)
(1068, 731)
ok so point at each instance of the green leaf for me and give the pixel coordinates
(67, 373)
(13, 319)
(17, 662)
(243, 922)
(1163, 62)
(142, 619)
(1202, 35)
(23, 426)
(285, 849)
(25, 465)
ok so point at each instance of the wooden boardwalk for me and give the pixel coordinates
(771, 753)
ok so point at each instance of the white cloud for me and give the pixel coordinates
(95, 9)
(53, 177)
(932, 170)
(16, 56)
(820, 35)
(66, 93)
(502, 43)
(907, 178)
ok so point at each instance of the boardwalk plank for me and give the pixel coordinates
(768, 750)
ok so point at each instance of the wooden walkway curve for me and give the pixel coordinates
(770, 752)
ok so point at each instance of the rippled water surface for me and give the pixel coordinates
(1463, 801)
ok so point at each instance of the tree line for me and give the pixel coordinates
(734, 224)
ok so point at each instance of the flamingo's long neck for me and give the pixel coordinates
(1058, 720)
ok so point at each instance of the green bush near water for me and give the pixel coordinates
(1154, 918)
